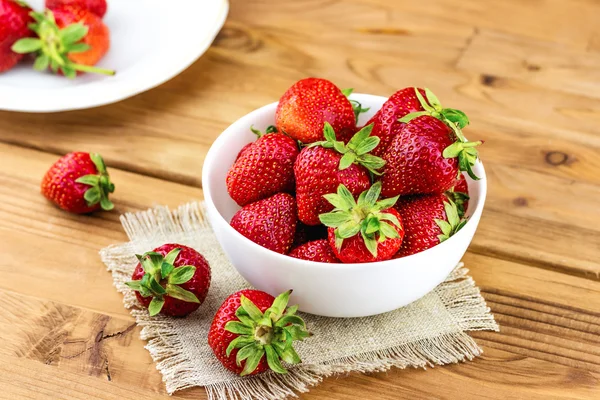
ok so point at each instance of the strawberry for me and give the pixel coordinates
(459, 194)
(252, 332)
(79, 183)
(385, 122)
(306, 233)
(362, 231)
(172, 280)
(306, 106)
(97, 7)
(322, 166)
(317, 250)
(269, 222)
(14, 18)
(428, 220)
(71, 40)
(263, 168)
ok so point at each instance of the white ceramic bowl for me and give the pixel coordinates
(333, 290)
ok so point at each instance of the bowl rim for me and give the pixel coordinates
(211, 157)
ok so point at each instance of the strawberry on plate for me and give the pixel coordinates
(263, 168)
(366, 230)
(70, 40)
(308, 104)
(252, 332)
(14, 18)
(428, 153)
(322, 166)
(98, 7)
(428, 220)
(316, 250)
(171, 280)
(79, 183)
(270, 222)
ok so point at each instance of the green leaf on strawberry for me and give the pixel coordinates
(356, 151)
(364, 216)
(269, 334)
(454, 223)
(160, 271)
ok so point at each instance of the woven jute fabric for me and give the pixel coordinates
(428, 332)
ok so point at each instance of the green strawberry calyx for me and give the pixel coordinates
(259, 133)
(366, 216)
(53, 45)
(453, 223)
(459, 198)
(100, 184)
(269, 334)
(456, 120)
(162, 279)
(356, 105)
(356, 151)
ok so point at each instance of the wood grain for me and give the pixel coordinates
(527, 74)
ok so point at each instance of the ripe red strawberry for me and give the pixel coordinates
(306, 233)
(427, 154)
(414, 160)
(14, 18)
(386, 124)
(97, 7)
(252, 332)
(71, 40)
(428, 220)
(460, 195)
(362, 231)
(321, 167)
(269, 222)
(79, 183)
(317, 250)
(171, 280)
(306, 106)
(263, 168)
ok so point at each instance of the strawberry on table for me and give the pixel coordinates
(252, 332)
(263, 168)
(79, 183)
(70, 40)
(366, 230)
(97, 7)
(317, 250)
(428, 220)
(306, 106)
(270, 222)
(322, 166)
(428, 153)
(171, 280)
(14, 18)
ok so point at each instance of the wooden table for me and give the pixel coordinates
(526, 72)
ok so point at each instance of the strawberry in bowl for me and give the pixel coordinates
(375, 262)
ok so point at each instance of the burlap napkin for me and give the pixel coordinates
(427, 332)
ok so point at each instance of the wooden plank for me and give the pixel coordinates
(541, 63)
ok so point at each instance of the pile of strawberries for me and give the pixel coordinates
(317, 187)
(68, 38)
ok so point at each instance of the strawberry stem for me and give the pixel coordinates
(91, 69)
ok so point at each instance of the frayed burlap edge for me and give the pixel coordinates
(458, 293)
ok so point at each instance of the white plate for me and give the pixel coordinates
(151, 42)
